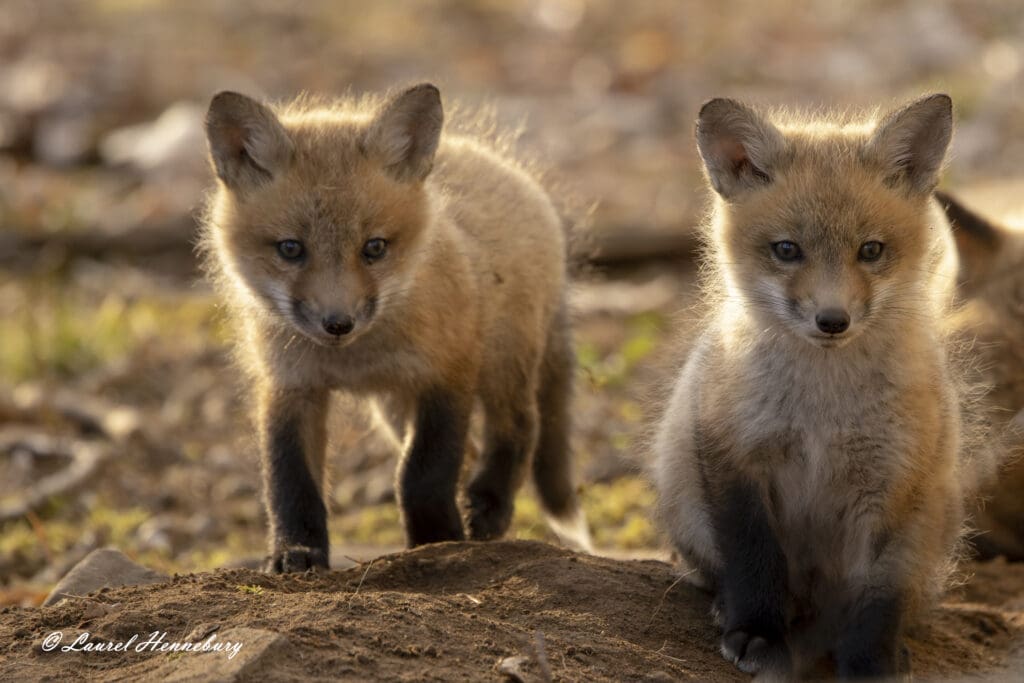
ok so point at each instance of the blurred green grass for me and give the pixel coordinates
(611, 369)
(619, 514)
(59, 333)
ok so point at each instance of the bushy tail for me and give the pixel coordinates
(552, 466)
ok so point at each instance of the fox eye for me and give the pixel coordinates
(787, 251)
(374, 248)
(290, 250)
(870, 251)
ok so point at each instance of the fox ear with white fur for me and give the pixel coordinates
(405, 135)
(740, 148)
(911, 143)
(248, 144)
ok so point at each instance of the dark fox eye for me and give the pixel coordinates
(374, 248)
(786, 250)
(290, 250)
(870, 251)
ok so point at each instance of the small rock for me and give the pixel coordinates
(512, 668)
(202, 631)
(105, 567)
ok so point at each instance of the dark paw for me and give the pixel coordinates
(432, 522)
(296, 559)
(875, 662)
(489, 515)
(868, 666)
(754, 654)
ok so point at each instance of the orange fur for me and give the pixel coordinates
(465, 301)
(853, 439)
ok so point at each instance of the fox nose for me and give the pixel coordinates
(338, 325)
(832, 321)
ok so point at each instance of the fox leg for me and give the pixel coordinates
(292, 426)
(428, 475)
(869, 646)
(899, 569)
(751, 583)
(869, 642)
(511, 428)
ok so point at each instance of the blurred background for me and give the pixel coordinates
(122, 421)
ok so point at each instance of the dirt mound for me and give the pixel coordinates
(455, 611)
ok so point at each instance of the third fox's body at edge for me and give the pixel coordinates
(459, 300)
(808, 460)
(990, 323)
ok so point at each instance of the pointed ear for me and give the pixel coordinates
(911, 143)
(741, 150)
(248, 145)
(977, 239)
(405, 134)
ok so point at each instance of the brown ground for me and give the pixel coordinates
(454, 611)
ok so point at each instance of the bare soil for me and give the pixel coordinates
(457, 611)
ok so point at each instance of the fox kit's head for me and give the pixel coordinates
(822, 229)
(321, 213)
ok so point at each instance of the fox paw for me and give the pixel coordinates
(488, 516)
(755, 654)
(295, 559)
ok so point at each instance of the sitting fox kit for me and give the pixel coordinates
(808, 461)
(362, 250)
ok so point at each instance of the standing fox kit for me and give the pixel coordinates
(808, 461)
(359, 249)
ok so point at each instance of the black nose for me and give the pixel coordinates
(338, 325)
(832, 321)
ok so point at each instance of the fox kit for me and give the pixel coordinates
(808, 459)
(360, 249)
(991, 322)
